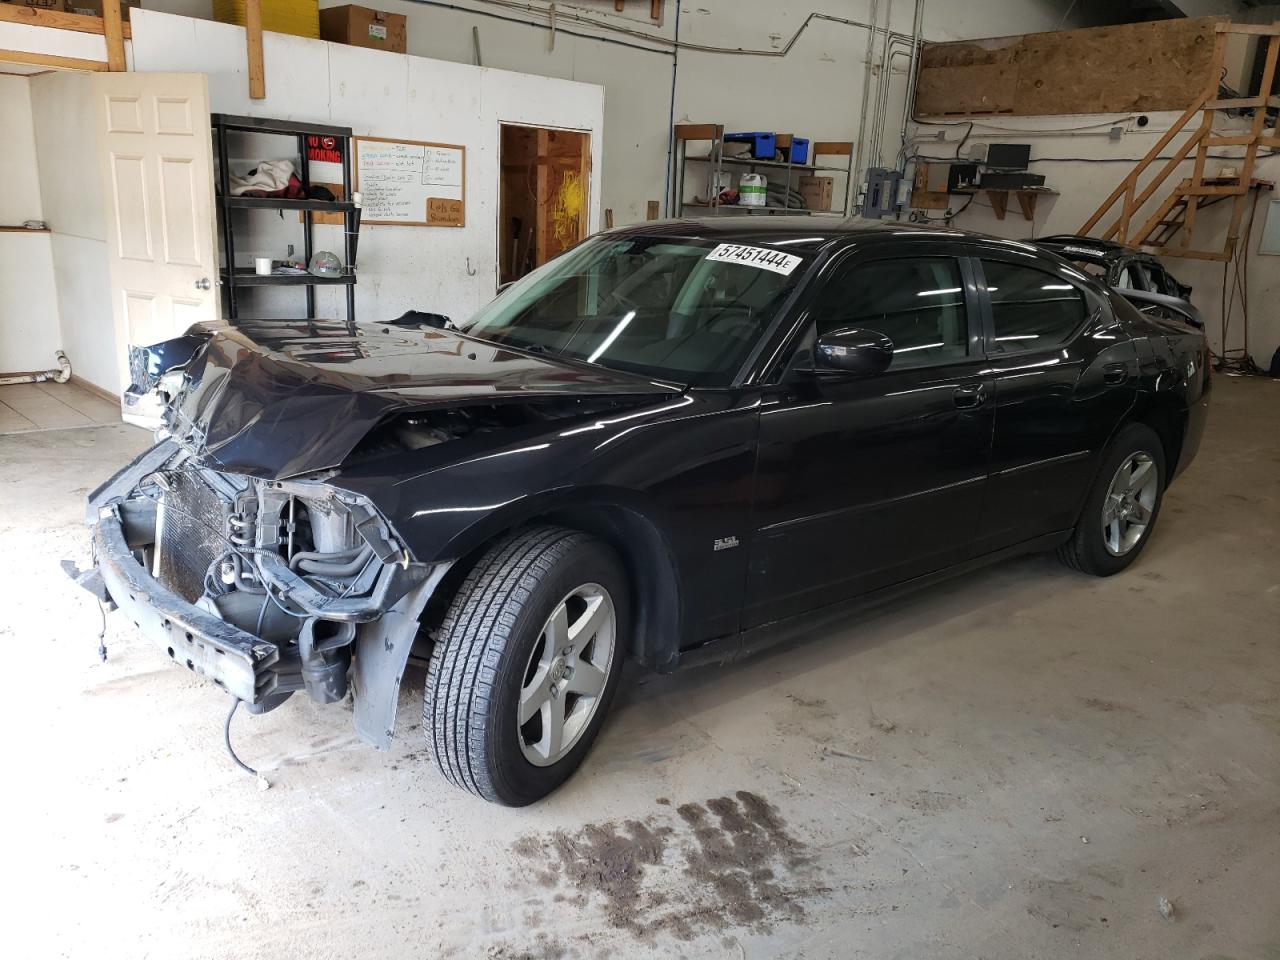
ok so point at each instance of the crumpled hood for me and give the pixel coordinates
(276, 399)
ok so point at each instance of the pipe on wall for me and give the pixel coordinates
(61, 375)
(852, 190)
(656, 40)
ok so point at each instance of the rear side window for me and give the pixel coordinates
(1030, 308)
(918, 303)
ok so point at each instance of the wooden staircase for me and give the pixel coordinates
(1175, 217)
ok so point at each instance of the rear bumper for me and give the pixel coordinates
(240, 663)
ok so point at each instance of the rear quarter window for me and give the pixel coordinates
(1030, 308)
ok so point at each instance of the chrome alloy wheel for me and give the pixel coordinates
(565, 678)
(1130, 503)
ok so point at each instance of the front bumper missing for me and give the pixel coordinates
(260, 672)
(244, 665)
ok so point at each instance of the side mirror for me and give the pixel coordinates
(850, 350)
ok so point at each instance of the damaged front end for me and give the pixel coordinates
(269, 541)
(265, 587)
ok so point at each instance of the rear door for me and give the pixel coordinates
(863, 482)
(1065, 374)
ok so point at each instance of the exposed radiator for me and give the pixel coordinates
(193, 520)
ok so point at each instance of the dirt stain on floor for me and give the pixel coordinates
(728, 862)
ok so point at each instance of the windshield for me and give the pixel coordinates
(687, 311)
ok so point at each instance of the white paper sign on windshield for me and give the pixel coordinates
(761, 258)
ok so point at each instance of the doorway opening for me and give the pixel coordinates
(544, 179)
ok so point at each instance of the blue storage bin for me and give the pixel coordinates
(763, 145)
(799, 150)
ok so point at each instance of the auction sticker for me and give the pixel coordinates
(759, 257)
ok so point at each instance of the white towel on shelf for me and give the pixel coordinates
(269, 175)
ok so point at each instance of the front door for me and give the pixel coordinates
(863, 482)
(157, 166)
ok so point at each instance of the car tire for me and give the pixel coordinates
(491, 703)
(1122, 507)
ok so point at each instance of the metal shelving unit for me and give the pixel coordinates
(717, 163)
(233, 278)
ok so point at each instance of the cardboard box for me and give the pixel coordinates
(363, 27)
(817, 192)
(92, 8)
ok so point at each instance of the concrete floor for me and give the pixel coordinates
(1017, 764)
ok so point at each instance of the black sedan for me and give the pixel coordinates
(674, 443)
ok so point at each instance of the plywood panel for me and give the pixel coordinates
(1162, 65)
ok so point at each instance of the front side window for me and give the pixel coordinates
(917, 302)
(1031, 308)
(676, 309)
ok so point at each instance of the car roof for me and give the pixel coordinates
(819, 231)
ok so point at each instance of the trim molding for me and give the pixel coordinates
(93, 388)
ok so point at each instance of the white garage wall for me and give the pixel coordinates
(71, 191)
(20, 196)
(448, 270)
(29, 336)
(814, 91)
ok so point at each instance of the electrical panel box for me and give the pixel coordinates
(882, 193)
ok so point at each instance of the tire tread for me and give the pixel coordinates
(472, 640)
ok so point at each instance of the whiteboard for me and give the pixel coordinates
(411, 183)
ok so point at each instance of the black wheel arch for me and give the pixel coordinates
(632, 532)
(1167, 415)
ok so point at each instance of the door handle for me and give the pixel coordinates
(970, 396)
(203, 284)
(1114, 373)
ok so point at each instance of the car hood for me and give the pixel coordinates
(276, 399)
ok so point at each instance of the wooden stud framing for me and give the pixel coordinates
(542, 200)
(113, 29)
(584, 172)
(40, 17)
(253, 38)
(47, 60)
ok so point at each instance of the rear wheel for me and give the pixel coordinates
(1122, 506)
(526, 663)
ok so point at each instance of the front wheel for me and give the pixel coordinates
(525, 664)
(1123, 504)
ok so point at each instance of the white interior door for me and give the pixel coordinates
(156, 155)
